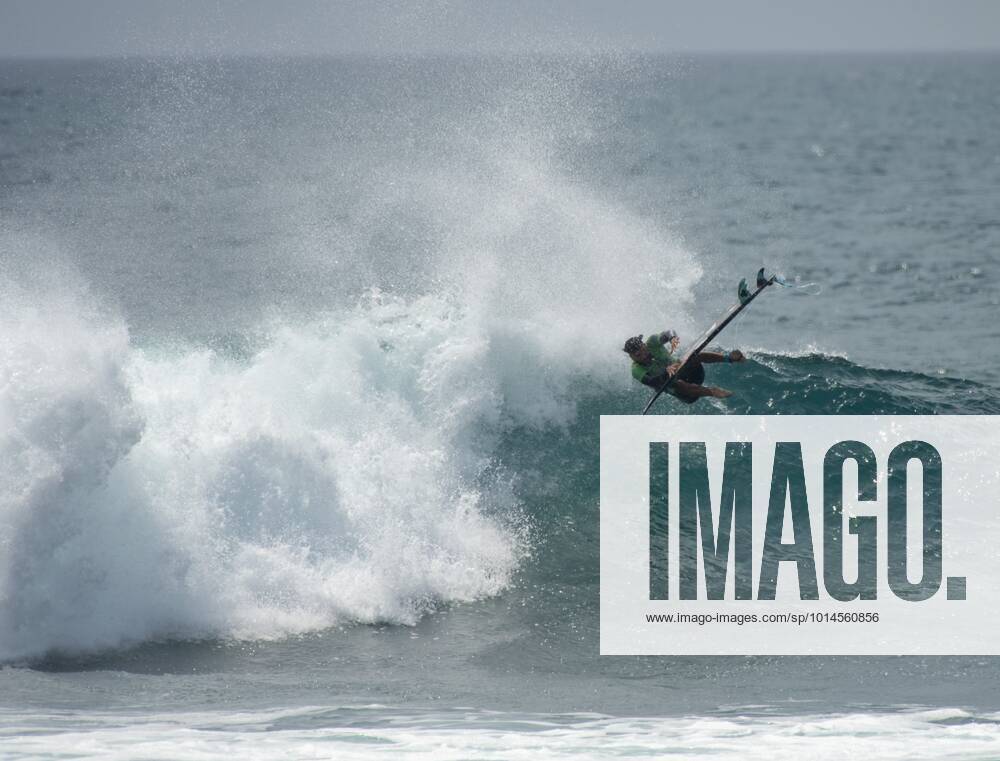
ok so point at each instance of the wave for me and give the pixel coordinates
(365, 466)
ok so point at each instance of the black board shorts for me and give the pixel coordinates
(693, 373)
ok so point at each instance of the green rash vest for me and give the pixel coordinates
(662, 358)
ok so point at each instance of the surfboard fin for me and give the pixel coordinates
(744, 290)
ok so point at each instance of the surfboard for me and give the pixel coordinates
(746, 297)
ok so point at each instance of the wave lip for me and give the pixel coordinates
(814, 383)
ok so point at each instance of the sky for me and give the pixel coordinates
(84, 28)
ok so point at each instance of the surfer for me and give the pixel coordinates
(653, 363)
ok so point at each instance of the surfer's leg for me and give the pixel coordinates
(692, 392)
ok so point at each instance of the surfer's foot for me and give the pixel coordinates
(720, 393)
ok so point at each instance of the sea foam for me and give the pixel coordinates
(341, 473)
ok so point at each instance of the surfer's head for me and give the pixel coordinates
(637, 349)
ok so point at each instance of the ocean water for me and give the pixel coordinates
(302, 361)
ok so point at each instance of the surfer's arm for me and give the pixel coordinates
(708, 357)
